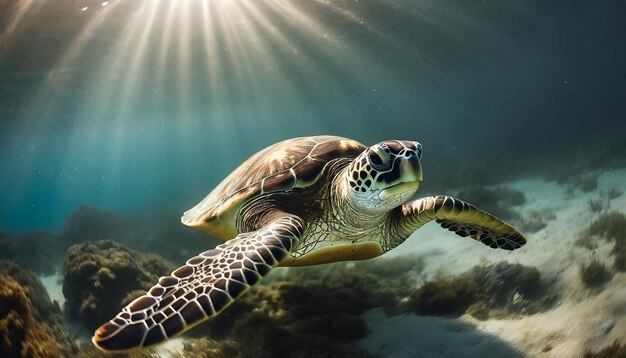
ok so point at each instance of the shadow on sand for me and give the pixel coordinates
(411, 335)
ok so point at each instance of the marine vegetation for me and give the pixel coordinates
(596, 206)
(43, 308)
(615, 350)
(594, 273)
(610, 226)
(30, 324)
(536, 220)
(485, 291)
(21, 334)
(99, 277)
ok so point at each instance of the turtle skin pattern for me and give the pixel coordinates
(201, 288)
(463, 219)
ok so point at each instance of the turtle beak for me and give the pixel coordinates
(411, 169)
(418, 170)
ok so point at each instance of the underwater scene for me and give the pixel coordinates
(312, 178)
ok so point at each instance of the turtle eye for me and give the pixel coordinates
(377, 161)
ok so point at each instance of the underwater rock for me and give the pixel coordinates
(91, 224)
(43, 308)
(99, 276)
(36, 250)
(497, 290)
(159, 235)
(21, 333)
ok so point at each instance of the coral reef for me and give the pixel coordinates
(101, 277)
(41, 308)
(35, 249)
(498, 290)
(21, 333)
(497, 201)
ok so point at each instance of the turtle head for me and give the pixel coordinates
(385, 175)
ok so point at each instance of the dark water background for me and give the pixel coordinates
(130, 107)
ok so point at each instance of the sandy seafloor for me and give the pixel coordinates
(583, 320)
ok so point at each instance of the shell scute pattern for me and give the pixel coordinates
(292, 163)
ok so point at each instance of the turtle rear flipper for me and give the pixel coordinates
(201, 288)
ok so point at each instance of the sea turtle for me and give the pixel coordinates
(303, 201)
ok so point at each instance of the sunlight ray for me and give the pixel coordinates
(165, 50)
(17, 18)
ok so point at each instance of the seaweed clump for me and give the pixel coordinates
(611, 226)
(42, 308)
(615, 350)
(102, 277)
(497, 290)
(594, 273)
(21, 334)
(312, 311)
(536, 220)
(27, 330)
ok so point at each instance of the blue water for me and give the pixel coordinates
(474, 82)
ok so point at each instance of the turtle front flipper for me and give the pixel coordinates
(463, 219)
(201, 288)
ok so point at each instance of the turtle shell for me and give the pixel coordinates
(293, 163)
